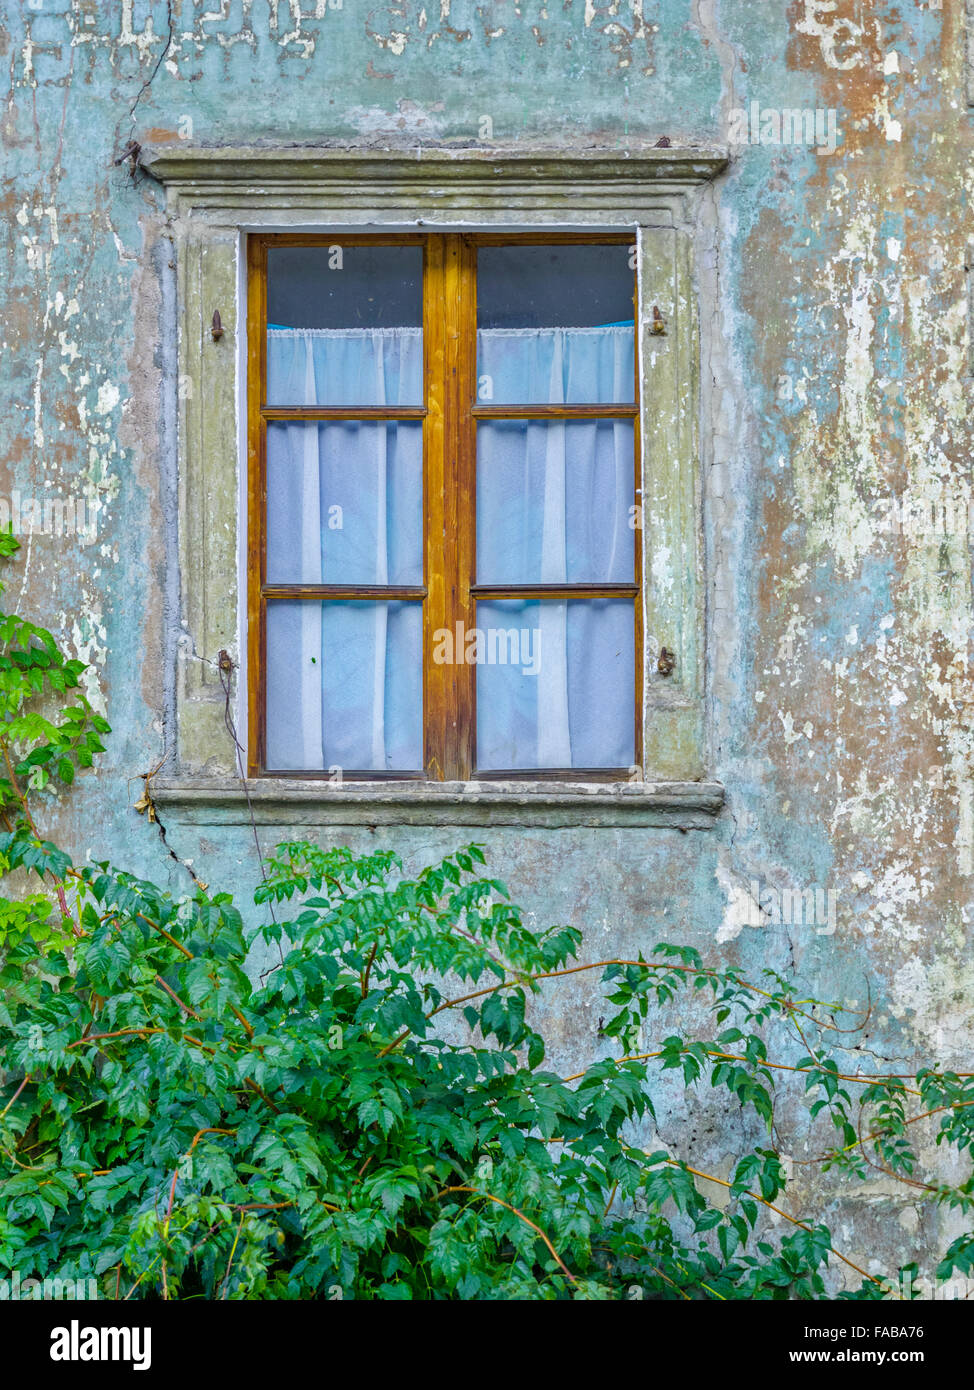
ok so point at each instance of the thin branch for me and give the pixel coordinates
(601, 964)
(138, 1033)
(527, 1221)
(832, 1154)
(22, 798)
(162, 932)
(368, 968)
(185, 1007)
(15, 1095)
(172, 1193)
(15, 785)
(736, 1057)
(233, 1251)
(722, 1182)
(147, 1270)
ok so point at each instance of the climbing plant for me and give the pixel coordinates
(48, 730)
(191, 1107)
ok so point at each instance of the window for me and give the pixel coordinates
(222, 202)
(444, 567)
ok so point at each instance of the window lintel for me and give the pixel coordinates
(206, 179)
(216, 195)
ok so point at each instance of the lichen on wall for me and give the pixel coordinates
(835, 435)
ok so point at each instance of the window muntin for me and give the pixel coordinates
(540, 594)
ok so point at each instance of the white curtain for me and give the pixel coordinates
(344, 500)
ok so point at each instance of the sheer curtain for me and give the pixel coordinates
(344, 500)
(553, 507)
(344, 680)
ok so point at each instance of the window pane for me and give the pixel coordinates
(344, 686)
(555, 683)
(344, 325)
(553, 502)
(345, 502)
(555, 325)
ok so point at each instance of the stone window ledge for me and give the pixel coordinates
(286, 802)
(215, 197)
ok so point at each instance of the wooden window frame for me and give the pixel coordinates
(665, 199)
(449, 415)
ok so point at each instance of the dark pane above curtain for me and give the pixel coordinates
(345, 286)
(555, 683)
(345, 502)
(554, 502)
(555, 325)
(344, 686)
(558, 285)
(345, 325)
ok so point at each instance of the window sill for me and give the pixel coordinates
(286, 802)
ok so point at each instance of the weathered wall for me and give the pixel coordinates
(836, 395)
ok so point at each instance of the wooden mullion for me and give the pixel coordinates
(342, 238)
(604, 411)
(579, 238)
(465, 484)
(450, 314)
(553, 774)
(256, 501)
(638, 537)
(437, 691)
(450, 365)
(343, 412)
(343, 592)
(553, 591)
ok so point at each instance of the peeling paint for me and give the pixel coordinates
(836, 397)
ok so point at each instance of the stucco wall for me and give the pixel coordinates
(836, 391)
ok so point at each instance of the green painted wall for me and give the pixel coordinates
(835, 428)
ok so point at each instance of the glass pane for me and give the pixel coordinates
(345, 502)
(344, 686)
(555, 683)
(555, 325)
(554, 502)
(344, 325)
